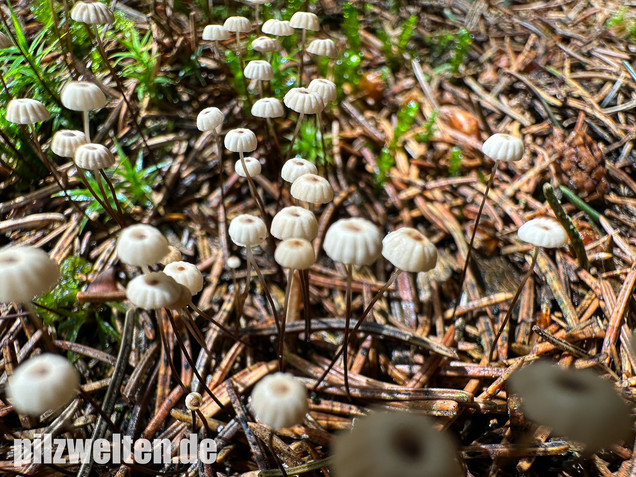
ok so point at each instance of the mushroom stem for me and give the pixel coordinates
(268, 295)
(302, 57)
(304, 283)
(87, 128)
(345, 356)
(296, 131)
(472, 238)
(194, 330)
(270, 444)
(191, 362)
(257, 8)
(219, 154)
(513, 303)
(252, 187)
(90, 189)
(281, 338)
(366, 311)
(49, 343)
(111, 187)
(109, 208)
(223, 328)
(322, 140)
(239, 52)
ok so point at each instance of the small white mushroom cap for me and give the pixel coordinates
(324, 88)
(353, 241)
(215, 33)
(296, 167)
(324, 47)
(25, 272)
(233, 262)
(575, 403)
(388, 444)
(503, 147)
(279, 400)
(44, 383)
(303, 101)
(253, 167)
(210, 119)
(186, 274)
(312, 188)
(305, 21)
(409, 250)
(296, 253)
(153, 290)
(240, 140)
(141, 245)
(92, 13)
(268, 108)
(82, 96)
(237, 24)
(26, 111)
(294, 222)
(265, 44)
(5, 41)
(277, 27)
(543, 232)
(93, 156)
(66, 141)
(247, 230)
(259, 70)
(193, 401)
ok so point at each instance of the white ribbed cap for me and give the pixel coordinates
(93, 156)
(296, 167)
(259, 70)
(543, 232)
(409, 250)
(265, 44)
(279, 400)
(303, 101)
(186, 274)
(296, 253)
(324, 47)
(503, 147)
(312, 188)
(92, 13)
(247, 230)
(305, 21)
(26, 111)
(66, 141)
(240, 140)
(141, 245)
(210, 119)
(25, 272)
(277, 27)
(82, 96)
(353, 241)
(215, 33)
(294, 222)
(237, 25)
(268, 108)
(324, 88)
(253, 167)
(152, 291)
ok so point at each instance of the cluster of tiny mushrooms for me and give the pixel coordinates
(577, 404)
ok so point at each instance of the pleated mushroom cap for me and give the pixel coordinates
(304, 21)
(210, 119)
(237, 24)
(94, 156)
(296, 167)
(503, 147)
(353, 241)
(294, 222)
(296, 253)
(153, 290)
(312, 188)
(26, 272)
(409, 250)
(247, 230)
(141, 245)
(279, 400)
(392, 444)
(66, 141)
(265, 44)
(324, 88)
(324, 47)
(193, 401)
(259, 69)
(215, 33)
(5, 41)
(92, 13)
(240, 140)
(253, 167)
(186, 274)
(26, 111)
(543, 232)
(82, 96)
(268, 108)
(303, 101)
(277, 27)
(575, 403)
(43, 383)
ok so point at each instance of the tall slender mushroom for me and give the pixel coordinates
(327, 91)
(268, 109)
(351, 242)
(83, 96)
(238, 25)
(211, 119)
(543, 232)
(302, 101)
(303, 21)
(501, 148)
(215, 33)
(260, 71)
(257, 6)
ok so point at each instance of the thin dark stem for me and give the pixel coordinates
(223, 328)
(366, 311)
(281, 336)
(111, 187)
(87, 397)
(472, 238)
(252, 187)
(322, 140)
(513, 303)
(345, 356)
(166, 350)
(291, 144)
(192, 327)
(304, 283)
(268, 295)
(270, 444)
(109, 209)
(90, 189)
(219, 155)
